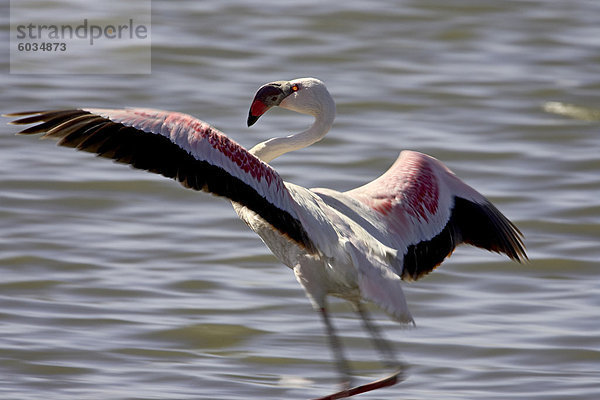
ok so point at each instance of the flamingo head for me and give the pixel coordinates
(303, 95)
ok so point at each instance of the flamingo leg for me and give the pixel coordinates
(367, 387)
(381, 344)
(338, 351)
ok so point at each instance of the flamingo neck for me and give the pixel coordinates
(273, 148)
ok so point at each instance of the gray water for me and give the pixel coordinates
(118, 284)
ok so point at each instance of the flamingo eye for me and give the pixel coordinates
(295, 88)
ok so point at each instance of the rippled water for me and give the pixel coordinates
(117, 284)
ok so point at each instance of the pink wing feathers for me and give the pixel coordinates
(428, 211)
(177, 146)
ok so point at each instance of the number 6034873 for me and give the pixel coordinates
(44, 46)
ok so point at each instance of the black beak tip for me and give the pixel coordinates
(252, 119)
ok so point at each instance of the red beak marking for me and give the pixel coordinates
(258, 108)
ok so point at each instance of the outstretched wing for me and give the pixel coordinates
(180, 147)
(428, 211)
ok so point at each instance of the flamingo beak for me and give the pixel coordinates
(267, 96)
(257, 109)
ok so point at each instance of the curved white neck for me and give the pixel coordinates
(324, 114)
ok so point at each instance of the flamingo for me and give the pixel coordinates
(357, 245)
